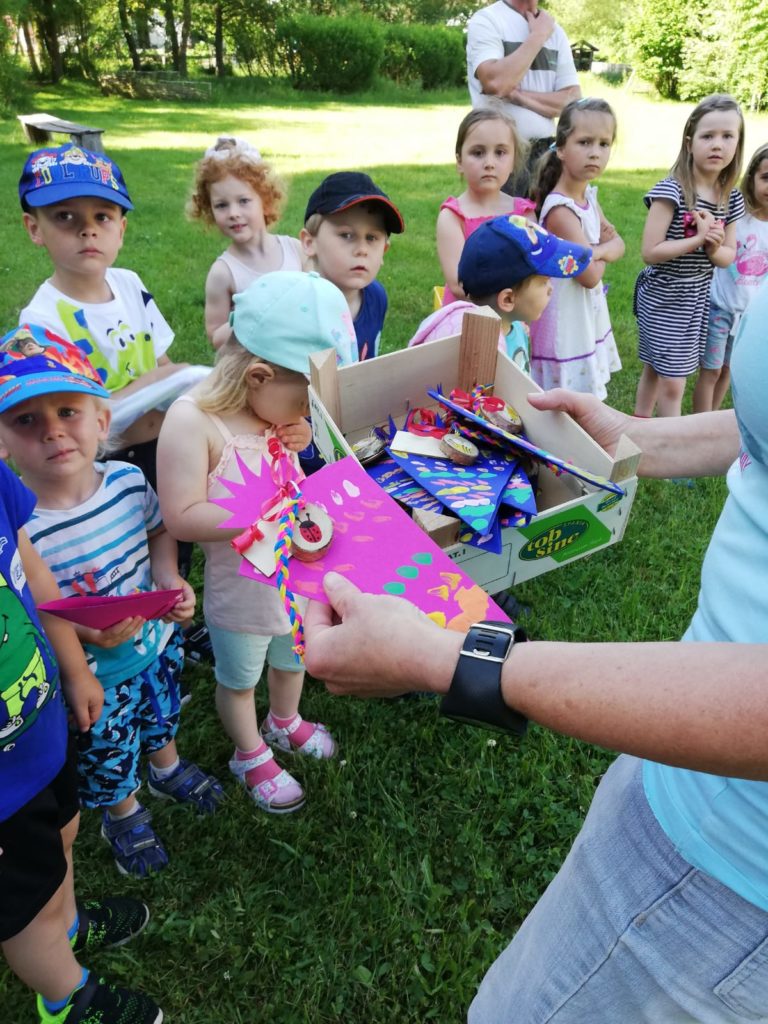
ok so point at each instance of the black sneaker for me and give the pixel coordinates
(99, 1003)
(197, 644)
(109, 922)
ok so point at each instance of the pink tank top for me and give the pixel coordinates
(242, 275)
(231, 601)
(521, 207)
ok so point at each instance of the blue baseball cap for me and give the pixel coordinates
(504, 251)
(285, 316)
(35, 361)
(58, 173)
(339, 191)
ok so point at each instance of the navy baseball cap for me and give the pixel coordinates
(35, 361)
(339, 191)
(58, 173)
(504, 251)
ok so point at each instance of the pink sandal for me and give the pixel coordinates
(280, 795)
(320, 743)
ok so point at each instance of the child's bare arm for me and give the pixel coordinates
(163, 560)
(563, 222)
(295, 436)
(83, 691)
(656, 247)
(450, 242)
(720, 244)
(218, 304)
(165, 368)
(182, 477)
(611, 246)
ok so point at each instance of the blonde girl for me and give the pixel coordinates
(690, 230)
(488, 151)
(572, 343)
(257, 391)
(238, 192)
(734, 287)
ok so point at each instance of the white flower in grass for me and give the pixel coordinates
(490, 743)
(353, 814)
(227, 976)
(343, 764)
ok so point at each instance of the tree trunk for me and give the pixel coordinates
(130, 38)
(218, 40)
(29, 41)
(171, 36)
(48, 32)
(186, 26)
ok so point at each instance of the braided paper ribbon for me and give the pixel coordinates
(285, 504)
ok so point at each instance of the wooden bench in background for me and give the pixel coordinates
(39, 128)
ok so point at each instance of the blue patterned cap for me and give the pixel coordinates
(58, 173)
(504, 251)
(285, 316)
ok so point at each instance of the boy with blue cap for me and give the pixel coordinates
(507, 264)
(98, 528)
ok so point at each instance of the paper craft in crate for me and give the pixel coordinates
(375, 545)
(521, 444)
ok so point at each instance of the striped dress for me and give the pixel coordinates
(672, 298)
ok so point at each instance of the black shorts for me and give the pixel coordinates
(32, 862)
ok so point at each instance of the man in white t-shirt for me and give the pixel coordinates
(519, 56)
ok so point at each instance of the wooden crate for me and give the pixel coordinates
(574, 518)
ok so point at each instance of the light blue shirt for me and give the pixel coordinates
(720, 825)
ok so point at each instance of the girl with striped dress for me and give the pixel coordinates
(690, 230)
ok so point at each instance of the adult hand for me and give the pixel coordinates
(375, 645)
(540, 24)
(601, 422)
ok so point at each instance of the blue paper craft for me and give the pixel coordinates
(402, 487)
(488, 541)
(472, 493)
(521, 444)
(519, 494)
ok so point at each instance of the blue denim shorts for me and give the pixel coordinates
(239, 657)
(629, 933)
(140, 715)
(720, 334)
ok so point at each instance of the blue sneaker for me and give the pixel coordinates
(136, 848)
(188, 785)
(99, 1003)
(108, 922)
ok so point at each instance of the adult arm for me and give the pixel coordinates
(501, 76)
(450, 243)
(548, 104)
(703, 444)
(661, 701)
(82, 690)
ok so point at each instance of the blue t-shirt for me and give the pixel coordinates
(370, 320)
(718, 824)
(33, 724)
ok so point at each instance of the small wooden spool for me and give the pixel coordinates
(459, 449)
(506, 418)
(312, 533)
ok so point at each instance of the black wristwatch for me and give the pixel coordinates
(475, 694)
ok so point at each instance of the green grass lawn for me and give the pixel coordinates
(422, 848)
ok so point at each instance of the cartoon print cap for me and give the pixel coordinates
(285, 316)
(35, 361)
(57, 173)
(339, 191)
(504, 251)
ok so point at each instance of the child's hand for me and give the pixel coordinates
(184, 608)
(114, 635)
(703, 221)
(295, 436)
(607, 232)
(85, 698)
(715, 237)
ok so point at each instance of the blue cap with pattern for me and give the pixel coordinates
(57, 173)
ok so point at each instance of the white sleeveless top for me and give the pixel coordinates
(242, 275)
